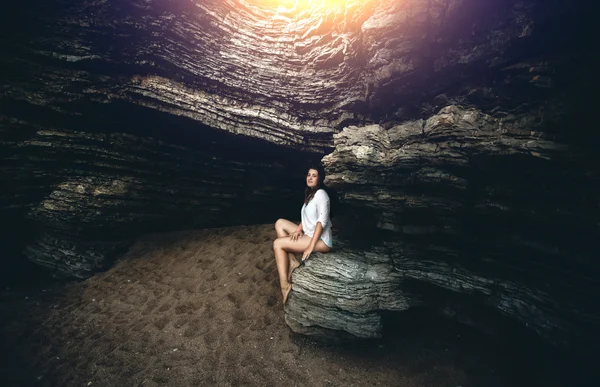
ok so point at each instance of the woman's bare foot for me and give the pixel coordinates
(293, 265)
(285, 291)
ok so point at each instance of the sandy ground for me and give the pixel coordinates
(203, 308)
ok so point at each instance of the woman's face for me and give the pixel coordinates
(312, 178)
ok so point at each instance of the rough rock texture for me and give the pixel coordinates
(461, 132)
(464, 169)
(462, 202)
(84, 196)
(288, 76)
(342, 295)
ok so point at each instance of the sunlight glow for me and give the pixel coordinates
(303, 5)
(291, 16)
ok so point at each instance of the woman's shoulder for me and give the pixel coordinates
(321, 194)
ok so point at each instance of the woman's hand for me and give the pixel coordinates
(307, 253)
(295, 235)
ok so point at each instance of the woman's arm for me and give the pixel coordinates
(313, 241)
(297, 233)
(322, 201)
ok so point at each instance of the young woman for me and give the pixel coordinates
(312, 234)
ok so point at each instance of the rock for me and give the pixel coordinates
(343, 292)
(343, 295)
(427, 176)
(94, 193)
(291, 77)
(459, 205)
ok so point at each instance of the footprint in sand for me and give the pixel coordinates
(161, 323)
(209, 312)
(180, 322)
(164, 307)
(136, 299)
(232, 335)
(196, 328)
(210, 338)
(263, 266)
(234, 299)
(240, 315)
(185, 308)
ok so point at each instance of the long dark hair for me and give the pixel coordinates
(309, 193)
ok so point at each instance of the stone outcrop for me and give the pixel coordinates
(461, 169)
(459, 203)
(85, 196)
(343, 295)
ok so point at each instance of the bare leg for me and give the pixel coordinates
(284, 227)
(282, 260)
(282, 246)
(293, 266)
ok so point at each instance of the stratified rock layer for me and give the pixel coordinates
(462, 203)
(289, 76)
(85, 195)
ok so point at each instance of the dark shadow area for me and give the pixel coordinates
(15, 371)
(24, 278)
(123, 117)
(420, 339)
(515, 354)
(17, 271)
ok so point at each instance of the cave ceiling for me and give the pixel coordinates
(289, 72)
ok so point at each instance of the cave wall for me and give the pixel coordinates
(460, 213)
(81, 197)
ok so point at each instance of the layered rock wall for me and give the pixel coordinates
(465, 204)
(289, 76)
(84, 196)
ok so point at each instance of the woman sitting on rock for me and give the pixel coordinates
(312, 234)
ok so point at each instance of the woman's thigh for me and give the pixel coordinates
(300, 245)
(286, 225)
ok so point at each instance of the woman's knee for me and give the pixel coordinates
(276, 244)
(278, 225)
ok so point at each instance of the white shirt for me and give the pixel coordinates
(317, 210)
